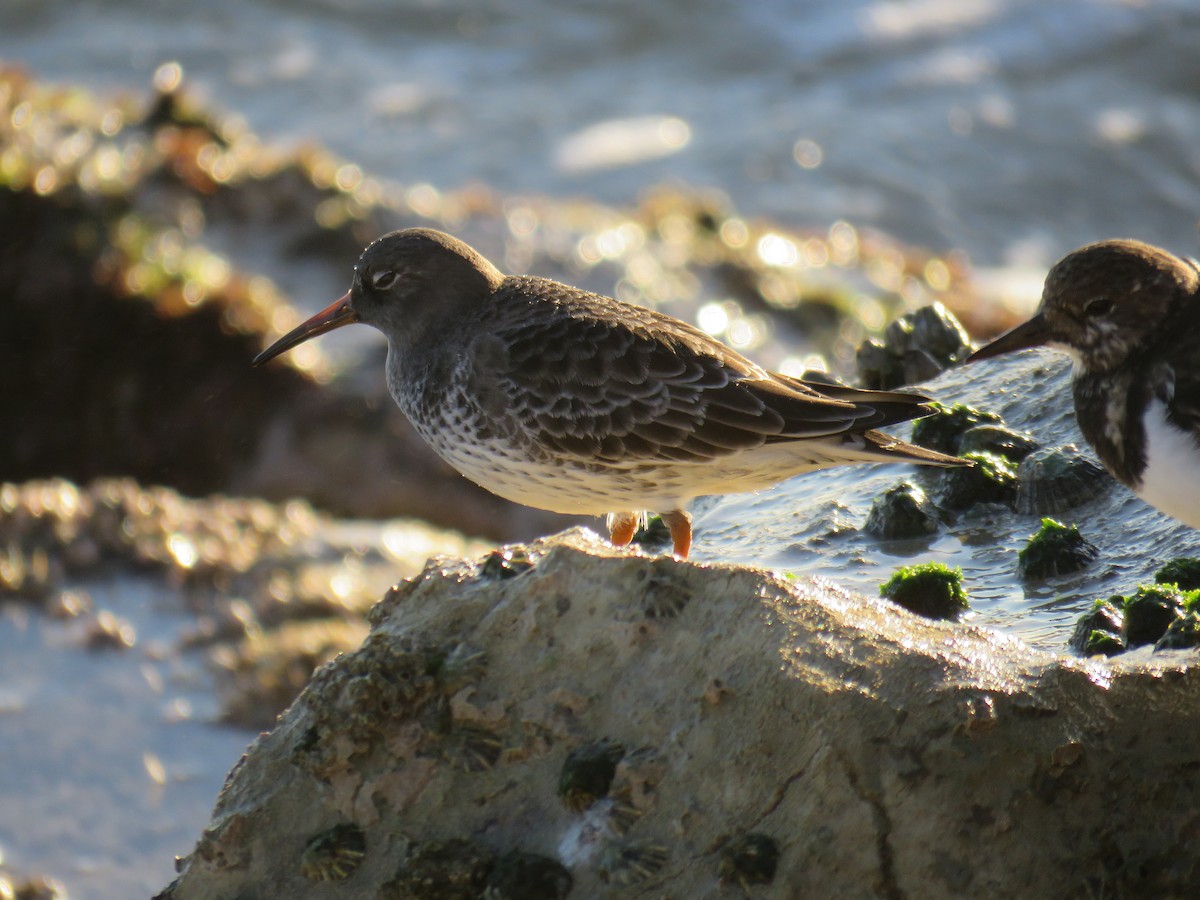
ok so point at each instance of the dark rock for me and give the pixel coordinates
(915, 347)
(932, 590)
(1182, 634)
(1058, 478)
(1183, 572)
(1103, 643)
(1150, 612)
(1055, 549)
(991, 480)
(1105, 617)
(903, 512)
(998, 439)
(943, 430)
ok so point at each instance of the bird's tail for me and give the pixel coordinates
(875, 446)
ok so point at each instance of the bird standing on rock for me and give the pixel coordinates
(568, 401)
(1128, 314)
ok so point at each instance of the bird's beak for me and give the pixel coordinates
(337, 314)
(1033, 333)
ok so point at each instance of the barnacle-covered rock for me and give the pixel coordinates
(506, 562)
(587, 773)
(527, 876)
(943, 430)
(1182, 634)
(915, 347)
(823, 717)
(933, 590)
(1055, 549)
(903, 512)
(1099, 629)
(1054, 479)
(1183, 572)
(1150, 611)
(626, 863)
(373, 690)
(634, 786)
(998, 439)
(991, 479)
(749, 860)
(334, 854)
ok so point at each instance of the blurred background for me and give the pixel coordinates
(180, 181)
(1013, 130)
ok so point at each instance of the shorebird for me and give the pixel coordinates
(1128, 315)
(577, 403)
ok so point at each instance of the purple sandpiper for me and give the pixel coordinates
(564, 400)
(1128, 314)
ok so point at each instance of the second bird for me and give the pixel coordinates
(569, 401)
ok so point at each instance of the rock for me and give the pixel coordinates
(943, 430)
(991, 480)
(1055, 549)
(1150, 612)
(858, 746)
(998, 439)
(1182, 634)
(915, 347)
(1183, 572)
(1057, 479)
(902, 513)
(933, 590)
(1105, 620)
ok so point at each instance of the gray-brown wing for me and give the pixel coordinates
(586, 376)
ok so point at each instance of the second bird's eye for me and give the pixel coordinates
(383, 279)
(1098, 306)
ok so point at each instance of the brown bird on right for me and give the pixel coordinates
(1128, 315)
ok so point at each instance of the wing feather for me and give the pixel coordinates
(588, 376)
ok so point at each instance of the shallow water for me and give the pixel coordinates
(1013, 130)
(810, 525)
(112, 759)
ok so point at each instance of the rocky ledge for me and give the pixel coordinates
(565, 719)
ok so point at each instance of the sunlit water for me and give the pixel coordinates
(1014, 130)
(112, 759)
(811, 525)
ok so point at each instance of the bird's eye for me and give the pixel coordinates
(383, 279)
(1098, 306)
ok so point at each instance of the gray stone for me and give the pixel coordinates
(880, 752)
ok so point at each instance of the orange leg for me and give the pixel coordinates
(622, 527)
(680, 524)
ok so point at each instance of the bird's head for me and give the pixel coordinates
(403, 282)
(1101, 302)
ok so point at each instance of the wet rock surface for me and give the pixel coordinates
(814, 767)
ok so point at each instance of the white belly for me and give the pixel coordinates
(1171, 482)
